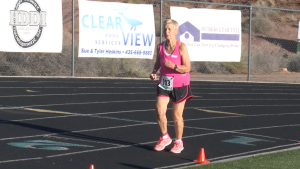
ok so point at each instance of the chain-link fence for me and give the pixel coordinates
(273, 48)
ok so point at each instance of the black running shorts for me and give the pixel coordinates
(177, 95)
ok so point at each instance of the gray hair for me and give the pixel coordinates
(171, 21)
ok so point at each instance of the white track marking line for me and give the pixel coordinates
(18, 160)
(70, 132)
(48, 111)
(66, 104)
(83, 87)
(255, 115)
(68, 138)
(144, 87)
(202, 93)
(88, 115)
(237, 131)
(219, 112)
(74, 94)
(32, 91)
(77, 82)
(130, 111)
(10, 81)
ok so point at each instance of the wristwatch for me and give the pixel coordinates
(175, 67)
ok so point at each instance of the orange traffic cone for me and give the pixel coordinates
(92, 166)
(201, 157)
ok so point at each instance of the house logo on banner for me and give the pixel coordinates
(188, 33)
(115, 30)
(27, 21)
(215, 38)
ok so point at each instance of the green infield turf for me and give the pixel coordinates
(280, 160)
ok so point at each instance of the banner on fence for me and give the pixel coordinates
(116, 30)
(210, 34)
(31, 26)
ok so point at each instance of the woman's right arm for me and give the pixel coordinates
(156, 65)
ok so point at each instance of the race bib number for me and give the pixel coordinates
(166, 83)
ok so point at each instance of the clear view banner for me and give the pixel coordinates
(210, 34)
(31, 26)
(116, 30)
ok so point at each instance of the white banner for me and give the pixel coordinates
(116, 30)
(31, 26)
(210, 34)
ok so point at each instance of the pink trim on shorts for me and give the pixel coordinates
(160, 95)
(183, 99)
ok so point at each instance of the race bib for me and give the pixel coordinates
(166, 83)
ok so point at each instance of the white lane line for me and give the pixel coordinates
(75, 94)
(225, 117)
(83, 87)
(67, 104)
(144, 87)
(102, 149)
(68, 138)
(64, 104)
(77, 82)
(203, 93)
(11, 81)
(18, 160)
(145, 110)
(242, 99)
(137, 93)
(78, 131)
(247, 85)
(219, 112)
(237, 131)
(48, 111)
(88, 115)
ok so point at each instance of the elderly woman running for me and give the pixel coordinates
(174, 84)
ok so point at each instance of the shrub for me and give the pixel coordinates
(267, 58)
(261, 25)
(208, 68)
(294, 63)
(124, 67)
(235, 67)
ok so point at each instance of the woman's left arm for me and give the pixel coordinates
(185, 66)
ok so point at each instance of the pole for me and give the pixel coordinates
(249, 47)
(161, 15)
(73, 39)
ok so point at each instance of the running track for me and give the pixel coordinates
(71, 123)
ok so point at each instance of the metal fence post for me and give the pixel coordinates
(161, 15)
(73, 27)
(249, 47)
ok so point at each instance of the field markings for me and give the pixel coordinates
(219, 112)
(48, 111)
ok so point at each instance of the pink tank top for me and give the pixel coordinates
(180, 79)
